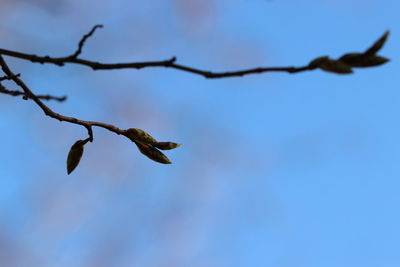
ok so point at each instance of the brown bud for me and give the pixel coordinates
(352, 59)
(139, 135)
(335, 66)
(375, 61)
(362, 60)
(152, 153)
(377, 45)
(318, 61)
(166, 145)
(75, 155)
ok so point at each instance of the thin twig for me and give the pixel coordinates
(83, 40)
(3, 90)
(4, 78)
(90, 133)
(170, 63)
(49, 112)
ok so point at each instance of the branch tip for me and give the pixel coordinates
(172, 60)
(83, 40)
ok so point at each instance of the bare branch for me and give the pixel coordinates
(145, 143)
(83, 40)
(47, 111)
(3, 90)
(140, 137)
(170, 63)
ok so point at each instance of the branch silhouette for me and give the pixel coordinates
(169, 63)
(145, 143)
(49, 112)
(4, 90)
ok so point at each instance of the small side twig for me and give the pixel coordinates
(3, 90)
(90, 132)
(4, 78)
(83, 40)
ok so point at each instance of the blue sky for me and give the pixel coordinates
(275, 169)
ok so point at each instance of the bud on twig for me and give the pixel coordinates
(166, 145)
(75, 154)
(362, 60)
(330, 65)
(315, 63)
(152, 153)
(139, 135)
(148, 145)
(377, 45)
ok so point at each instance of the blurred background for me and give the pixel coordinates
(275, 169)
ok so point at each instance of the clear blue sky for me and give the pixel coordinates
(275, 169)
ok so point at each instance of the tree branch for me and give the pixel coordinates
(170, 63)
(47, 111)
(146, 144)
(3, 90)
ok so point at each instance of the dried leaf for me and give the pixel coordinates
(335, 66)
(377, 45)
(139, 135)
(166, 145)
(362, 60)
(75, 155)
(152, 153)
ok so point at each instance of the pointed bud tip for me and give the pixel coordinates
(166, 145)
(387, 33)
(152, 153)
